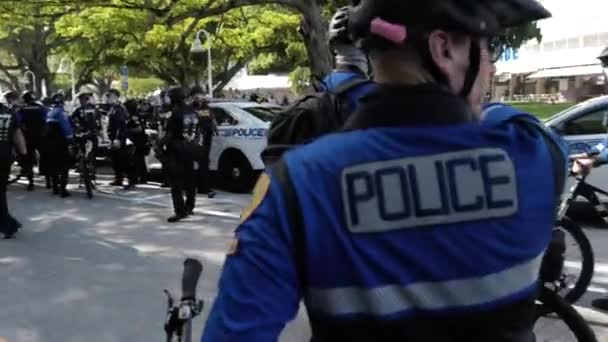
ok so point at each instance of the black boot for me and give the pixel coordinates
(30, 187)
(65, 193)
(176, 217)
(48, 182)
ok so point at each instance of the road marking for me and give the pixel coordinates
(147, 200)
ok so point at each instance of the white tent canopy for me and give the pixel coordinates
(580, 70)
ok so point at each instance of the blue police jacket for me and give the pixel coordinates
(421, 222)
(335, 79)
(58, 115)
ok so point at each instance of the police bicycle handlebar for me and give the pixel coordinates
(179, 317)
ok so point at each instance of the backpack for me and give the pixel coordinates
(309, 118)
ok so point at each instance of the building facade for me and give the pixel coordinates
(564, 65)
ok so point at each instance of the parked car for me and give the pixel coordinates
(583, 126)
(235, 152)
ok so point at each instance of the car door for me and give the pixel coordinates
(584, 131)
(225, 126)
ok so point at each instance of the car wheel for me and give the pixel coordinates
(236, 172)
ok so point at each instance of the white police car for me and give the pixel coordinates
(235, 151)
(583, 126)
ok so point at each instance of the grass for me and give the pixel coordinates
(542, 110)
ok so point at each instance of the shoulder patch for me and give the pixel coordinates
(259, 193)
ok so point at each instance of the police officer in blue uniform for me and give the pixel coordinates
(351, 64)
(11, 139)
(415, 223)
(32, 116)
(59, 141)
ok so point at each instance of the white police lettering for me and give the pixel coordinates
(421, 191)
(250, 133)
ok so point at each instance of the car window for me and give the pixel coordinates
(266, 114)
(222, 117)
(589, 123)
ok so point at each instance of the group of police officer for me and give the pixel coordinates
(45, 134)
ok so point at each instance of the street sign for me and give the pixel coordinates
(124, 70)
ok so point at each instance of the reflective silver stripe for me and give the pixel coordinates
(392, 299)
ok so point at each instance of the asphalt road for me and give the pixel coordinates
(94, 270)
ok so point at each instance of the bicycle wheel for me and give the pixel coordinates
(86, 178)
(574, 321)
(573, 289)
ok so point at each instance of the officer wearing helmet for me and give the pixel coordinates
(86, 117)
(59, 140)
(118, 134)
(32, 116)
(413, 223)
(11, 98)
(182, 144)
(208, 127)
(350, 61)
(11, 141)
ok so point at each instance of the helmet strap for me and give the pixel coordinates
(473, 70)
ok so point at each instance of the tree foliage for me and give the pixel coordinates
(153, 38)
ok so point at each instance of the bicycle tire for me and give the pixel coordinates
(588, 262)
(86, 177)
(575, 322)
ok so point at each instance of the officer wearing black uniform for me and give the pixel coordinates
(117, 132)
(162, 114)
(183, 131)
(146, 113)
(32, 116)
(11, 138)
(209, 129)
(137, 134)
(86, 117)
(12, 100)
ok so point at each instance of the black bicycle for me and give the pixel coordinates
(179, 317)
(578, 271)
(549, 300)
(86, 161)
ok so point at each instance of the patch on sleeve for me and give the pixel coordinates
(232, 247)
(259, 193)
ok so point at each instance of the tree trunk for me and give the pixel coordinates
(314, 30)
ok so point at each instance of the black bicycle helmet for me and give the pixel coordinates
(58, 98)
(28, 96)
(603, 57)
(84, 94)
(338, 28)
(378, 24)
(177, 95)
(11, 94)
(196, 90)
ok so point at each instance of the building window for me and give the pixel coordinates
(561, 44)
(591, 40)
(574, 43)
(604, 38)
